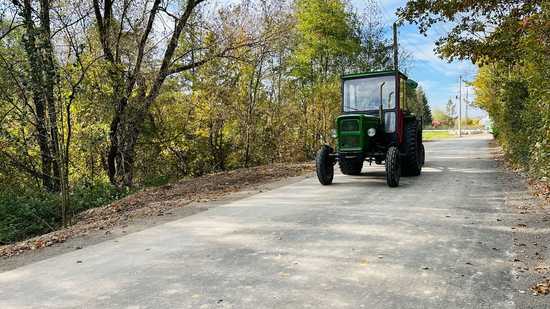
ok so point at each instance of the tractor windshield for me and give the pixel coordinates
(363, 94)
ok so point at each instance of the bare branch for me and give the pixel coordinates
(141, 46)
(222, 54)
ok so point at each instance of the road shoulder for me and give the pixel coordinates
(531, 237)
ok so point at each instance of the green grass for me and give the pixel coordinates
(435, 135)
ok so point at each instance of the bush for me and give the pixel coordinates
(86, 196)
(518, 101)
(25, 214)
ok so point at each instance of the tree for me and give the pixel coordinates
(44, 82)
(325, 41)
(484, 31)
(427, 113)
(450, 112)
(424, 109)
(39, 81)
(134, 89)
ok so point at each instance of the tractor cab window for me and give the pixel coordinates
(365, 94)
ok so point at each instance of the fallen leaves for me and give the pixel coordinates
(540, 188)
(542, 288)
(542, 269)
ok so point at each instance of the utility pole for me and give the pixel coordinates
(395, 47)
(460, 107)
(466, 108)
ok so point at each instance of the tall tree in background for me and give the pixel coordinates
(424, 107)
(41, 82)
(450, 112)
(38, 78)
(135, 90)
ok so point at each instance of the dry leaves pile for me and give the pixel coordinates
(542, 288)
(156, 201)
(541, 188)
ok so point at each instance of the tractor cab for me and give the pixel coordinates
(382, 95)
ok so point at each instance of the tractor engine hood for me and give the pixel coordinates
(353, 131)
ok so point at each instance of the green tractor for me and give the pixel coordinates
(375, 125)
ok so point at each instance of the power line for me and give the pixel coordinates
(383, 11)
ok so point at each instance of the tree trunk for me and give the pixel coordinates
(49, 83)
(41, 69)
(126, 128)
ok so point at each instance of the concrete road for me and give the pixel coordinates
(437, 241)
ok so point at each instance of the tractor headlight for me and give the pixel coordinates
(333, 133)
(371, 132)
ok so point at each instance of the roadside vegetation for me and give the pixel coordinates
(509, 42)
(448, 119)
(99, 99)
(436, 135)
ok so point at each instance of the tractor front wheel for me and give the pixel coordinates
(393, 167)
(325, 165)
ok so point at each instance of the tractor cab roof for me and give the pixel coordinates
(410, 82)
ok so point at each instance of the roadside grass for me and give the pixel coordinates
(435, 135)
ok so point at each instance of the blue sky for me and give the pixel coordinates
(438, 77)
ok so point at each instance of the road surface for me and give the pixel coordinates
(437, 241)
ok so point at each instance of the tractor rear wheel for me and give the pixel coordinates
(422, 154)
(351, 166)
(324, 164)
(393, 167)
(412, 163)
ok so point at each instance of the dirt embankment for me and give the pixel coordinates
(161, 201)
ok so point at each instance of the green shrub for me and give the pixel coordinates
(86, 196)
(24, 213)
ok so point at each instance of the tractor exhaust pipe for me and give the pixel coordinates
(381, 110)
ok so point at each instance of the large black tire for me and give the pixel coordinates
(325, 165)
(351, 166)
(393, 167)
(412, 162)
